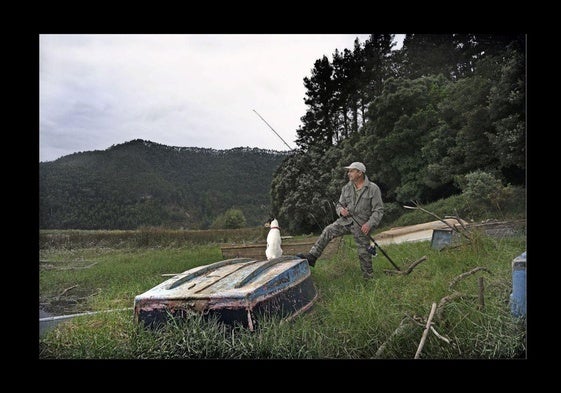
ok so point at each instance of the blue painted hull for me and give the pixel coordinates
(235, 291)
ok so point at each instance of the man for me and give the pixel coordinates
(360, 201)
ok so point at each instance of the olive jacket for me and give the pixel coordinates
(366, 206)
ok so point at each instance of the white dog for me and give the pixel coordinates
(274, 242)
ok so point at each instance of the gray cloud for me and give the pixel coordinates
(179, 90)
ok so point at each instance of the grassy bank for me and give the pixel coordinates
(351, 319)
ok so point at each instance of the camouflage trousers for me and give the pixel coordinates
(335, 230)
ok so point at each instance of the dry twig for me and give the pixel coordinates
(404, 324)
(436, 310)
(464, 275)
(439, 336)
(459, 220)
(409, 269)
(426, 331)
(90, 295)
(418, 207)
(66, 290)
(408, 322)
(445, 300)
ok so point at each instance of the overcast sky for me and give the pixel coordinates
(177, 90)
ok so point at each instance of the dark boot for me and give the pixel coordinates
(309, 257)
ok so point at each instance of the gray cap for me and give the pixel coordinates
(357, 165)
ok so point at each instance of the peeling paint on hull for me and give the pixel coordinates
(234, 290)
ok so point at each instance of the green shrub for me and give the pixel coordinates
(487, 195)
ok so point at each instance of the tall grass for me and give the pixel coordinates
(145, 237)
(352, 319)
(115, 275)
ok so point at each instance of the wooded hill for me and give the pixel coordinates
(142, 183)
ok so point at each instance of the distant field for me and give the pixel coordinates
(147, 237)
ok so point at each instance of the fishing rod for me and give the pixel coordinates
(273, 129)
(371, 238)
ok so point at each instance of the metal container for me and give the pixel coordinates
(441, 238)
(518, 295)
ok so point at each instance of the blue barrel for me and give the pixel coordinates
(518, 295)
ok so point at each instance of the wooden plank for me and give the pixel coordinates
(424, 231)
(257, 250)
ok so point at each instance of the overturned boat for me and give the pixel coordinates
(236, 291)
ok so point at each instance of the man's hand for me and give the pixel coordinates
(344, 212)
(365, 228)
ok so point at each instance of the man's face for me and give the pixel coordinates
(353, 174)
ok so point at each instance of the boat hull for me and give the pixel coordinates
(234, 291)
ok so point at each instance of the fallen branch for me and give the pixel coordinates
(435, 314)
(409, 269)
(404, 324)
(445, 300)
(464, 275)
(90, 295)
(439, 336)
(418, 207)
(417, 320)
(66, 290)
(457, 217)
(426, 331)
(408, 322)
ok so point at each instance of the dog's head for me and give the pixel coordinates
(272, 222)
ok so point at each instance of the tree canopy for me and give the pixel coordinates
(420, 118)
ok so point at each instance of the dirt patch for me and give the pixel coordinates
(71, 301)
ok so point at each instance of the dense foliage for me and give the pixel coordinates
(421, 118)
(141, 183)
